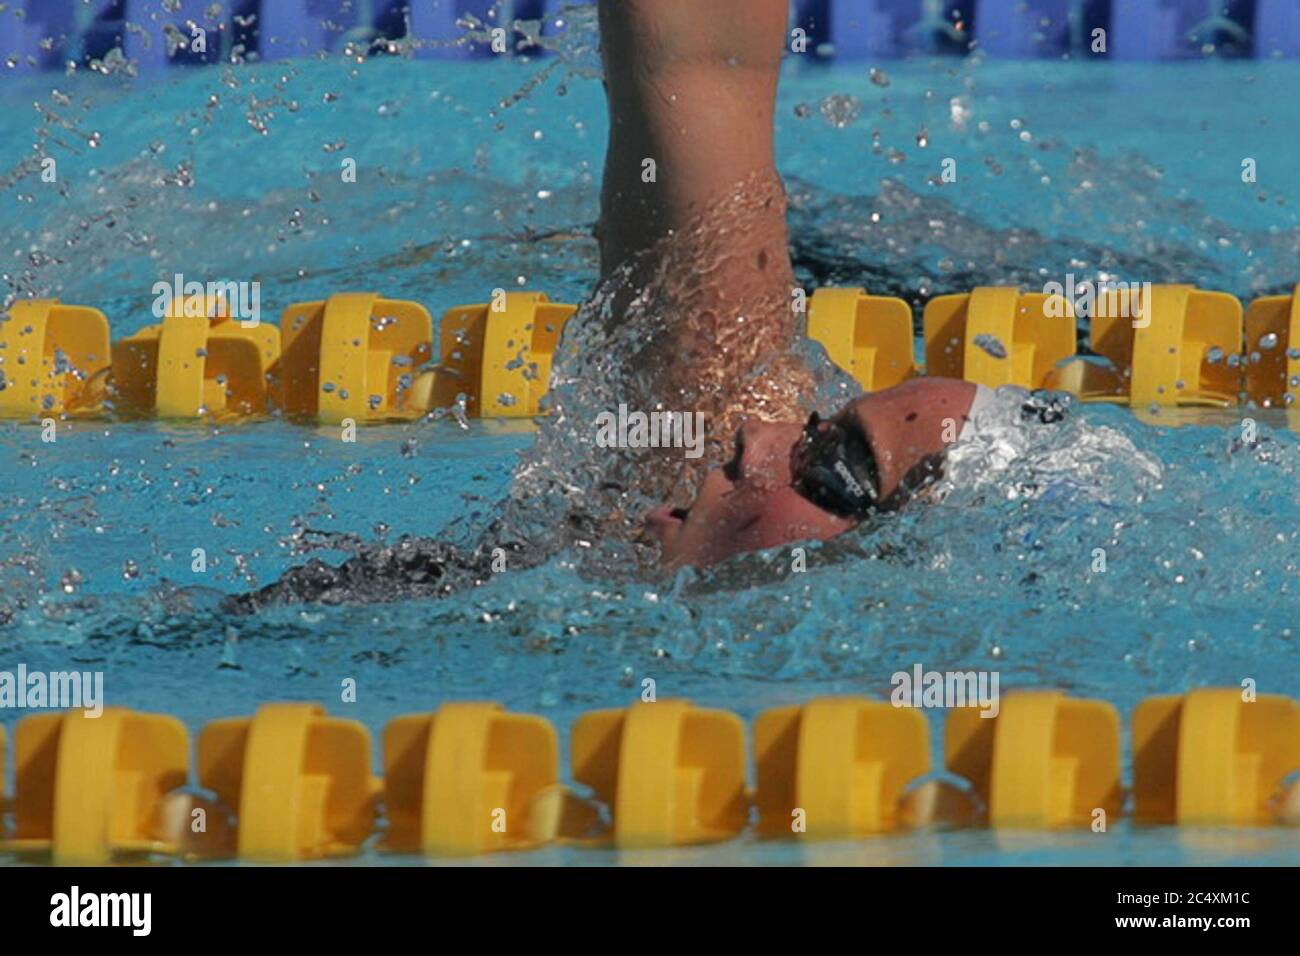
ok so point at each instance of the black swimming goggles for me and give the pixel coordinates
(834, 468)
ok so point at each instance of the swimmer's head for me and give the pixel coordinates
(790, 481)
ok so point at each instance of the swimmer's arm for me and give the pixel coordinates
(701, 249)
(691, 86)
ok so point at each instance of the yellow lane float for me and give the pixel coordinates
(1273, 349)
(868, 336)
(998, 335)
(90, 788)
(672, 773)
(498, 355)
(299, 782)
(53, 359)
(198, 362)
(292, 783)
(1210, 757)
(364, 358)
(1176, 346)
(1045, 759)
(836, 766)
(353, 356)
(470, 778)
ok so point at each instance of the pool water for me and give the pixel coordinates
(1062, 167)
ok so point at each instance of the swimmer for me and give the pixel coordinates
(693, 86)
(691, 89)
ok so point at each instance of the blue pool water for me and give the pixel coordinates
(233, 172)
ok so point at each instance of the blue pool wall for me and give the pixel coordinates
(49, 34)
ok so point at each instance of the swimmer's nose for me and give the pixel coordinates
(754, 447)
(740, 466)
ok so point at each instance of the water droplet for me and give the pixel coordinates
(841, 110)
(991, 345)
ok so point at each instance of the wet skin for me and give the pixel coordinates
(751, 502)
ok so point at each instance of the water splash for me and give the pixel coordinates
(1006, 459)
(664, 332)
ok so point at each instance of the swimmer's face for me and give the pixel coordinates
(770, 492)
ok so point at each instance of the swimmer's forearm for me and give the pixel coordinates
(691, 89)
(662, 33)
(692, 206)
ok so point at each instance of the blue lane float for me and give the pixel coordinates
(1179, 29)
(292, 28)
(1158, 30)
(36, 34)
(168, 34)
(1277, 29)
(48, 34)
(437, 24)
(861, 28)
(1023, 29)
